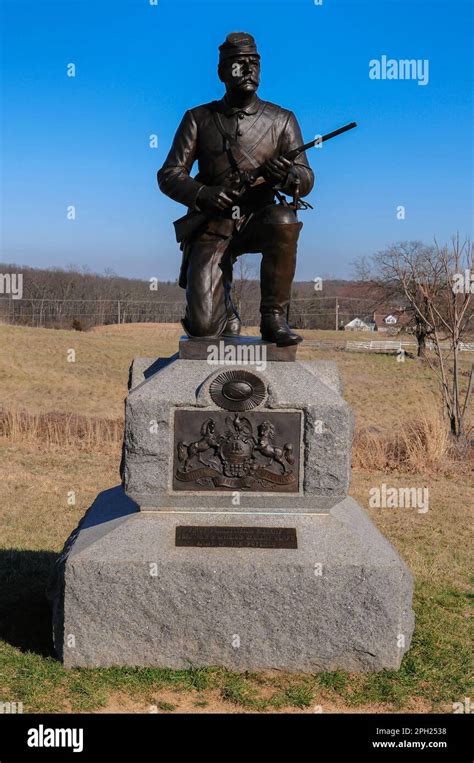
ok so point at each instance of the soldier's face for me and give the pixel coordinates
(241, 75)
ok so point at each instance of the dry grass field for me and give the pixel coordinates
(60, 431)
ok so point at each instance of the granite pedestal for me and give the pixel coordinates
(278, 567)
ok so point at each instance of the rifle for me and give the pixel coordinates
(190, 223)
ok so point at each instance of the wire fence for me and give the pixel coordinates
(84, 313)
(88, 312)
(321, 312)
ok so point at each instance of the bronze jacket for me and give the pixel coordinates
(261, 131)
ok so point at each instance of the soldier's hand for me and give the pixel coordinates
(276, 170)
(216, 198)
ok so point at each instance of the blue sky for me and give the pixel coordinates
(84, 141)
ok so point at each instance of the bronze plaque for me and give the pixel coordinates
(236, 537)
(227, 451)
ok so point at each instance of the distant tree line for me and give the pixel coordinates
(65, 298)
(75, 298)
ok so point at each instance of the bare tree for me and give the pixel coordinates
(387, 271)
(428, 278)
(450, 318)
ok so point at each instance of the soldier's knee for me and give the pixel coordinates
(278, 214)
(199, 325)
(280, 229)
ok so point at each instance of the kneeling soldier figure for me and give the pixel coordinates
(229, 138)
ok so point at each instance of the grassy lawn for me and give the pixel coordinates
(36, 517)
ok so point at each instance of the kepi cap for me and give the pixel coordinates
(237, 44)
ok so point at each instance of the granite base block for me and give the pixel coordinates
(126, 595)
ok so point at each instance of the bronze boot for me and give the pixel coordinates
(274, 328)
(276, 277)
(232, 327)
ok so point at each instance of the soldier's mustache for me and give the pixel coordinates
(242, 80)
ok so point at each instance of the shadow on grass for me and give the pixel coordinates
(25, 610)
(25, 613)
(26, 576)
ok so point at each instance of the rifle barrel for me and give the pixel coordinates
(322, 139)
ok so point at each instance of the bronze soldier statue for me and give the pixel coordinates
(229, 138)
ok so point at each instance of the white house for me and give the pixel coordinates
(391, 323)
(357, 324)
